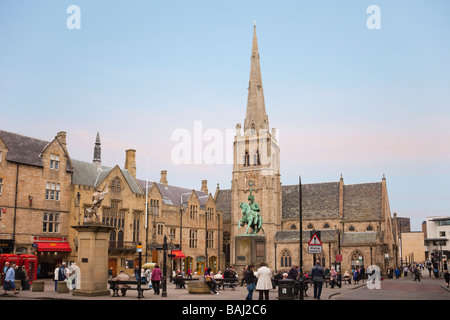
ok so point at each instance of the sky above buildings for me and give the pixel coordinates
(345, 98)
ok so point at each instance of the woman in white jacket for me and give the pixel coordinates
(264, 284)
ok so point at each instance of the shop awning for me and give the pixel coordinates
(178, 254)
(53, 246)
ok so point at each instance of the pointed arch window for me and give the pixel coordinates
(246, 159)
(357, 260)
(351, 229)
(326, 226)
(369, 228)
(256, 159)
(116, 184)
(286, 259)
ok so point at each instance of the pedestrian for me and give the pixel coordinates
(189, 273)
(317, 274)
(110, 273)
(293, 273)
(397, 273)
(333, 278)
(62, 272)
(21, 275)
(136, 272)
(405, 271)
(212, 284)
(250, 280)
(156, 278)
(56, 276)
(446, 277)
(122, 276)
(5, 269)
(244, 269)
(10, 278)
(416, 273)
(264, 283)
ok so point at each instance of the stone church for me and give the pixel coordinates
(354, 221)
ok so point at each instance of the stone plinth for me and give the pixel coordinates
(250, 249)
(93, 259)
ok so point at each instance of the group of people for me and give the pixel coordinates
(211, 279)
(10, 274)
(70, 275)
(151, 277)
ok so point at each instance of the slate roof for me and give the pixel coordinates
(359, 237)
(22, 149)
(85, 173)
(293, 235)
(319, 200)
(362, 201)
(173, 195)
(223, 203)
(25, 150)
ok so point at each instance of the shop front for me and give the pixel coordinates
(51, 251)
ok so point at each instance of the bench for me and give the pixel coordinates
(114, 286)
(198, 287)
(229, 282)
(181, 284)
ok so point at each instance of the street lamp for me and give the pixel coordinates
(164, 280)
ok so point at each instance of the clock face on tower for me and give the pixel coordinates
(251, 183)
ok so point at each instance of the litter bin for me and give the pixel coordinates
(286, 289)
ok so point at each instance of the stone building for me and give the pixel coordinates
(353, 220)
(43, 192)
(35, 197)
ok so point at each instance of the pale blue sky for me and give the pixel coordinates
(345, 99)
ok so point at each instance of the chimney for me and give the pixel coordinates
(130, 162)
(62, 138)
(164, 178)
(205, 186)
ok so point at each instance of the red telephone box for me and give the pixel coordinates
(29, 262)
(8, 257)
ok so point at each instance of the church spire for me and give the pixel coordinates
(256, 117)
(98, 153)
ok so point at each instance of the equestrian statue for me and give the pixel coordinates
(251, 215)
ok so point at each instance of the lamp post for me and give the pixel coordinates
(300, 235)
(164, 282)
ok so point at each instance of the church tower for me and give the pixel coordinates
(256, 167)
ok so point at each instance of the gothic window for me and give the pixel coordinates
(246, 159)
(116, 185)
(326, 226)
(293, 227)
(310, 226)
(369, 228)
(351, 229)
(256, 159)
(357, 260)
(286, 259)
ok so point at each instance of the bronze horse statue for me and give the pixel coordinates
(251, 218)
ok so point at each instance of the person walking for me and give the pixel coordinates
(10, 278)
(264, 284)
(250, 280)
(156, 278)
(21, 275)
(416, 273)
(317, 274)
